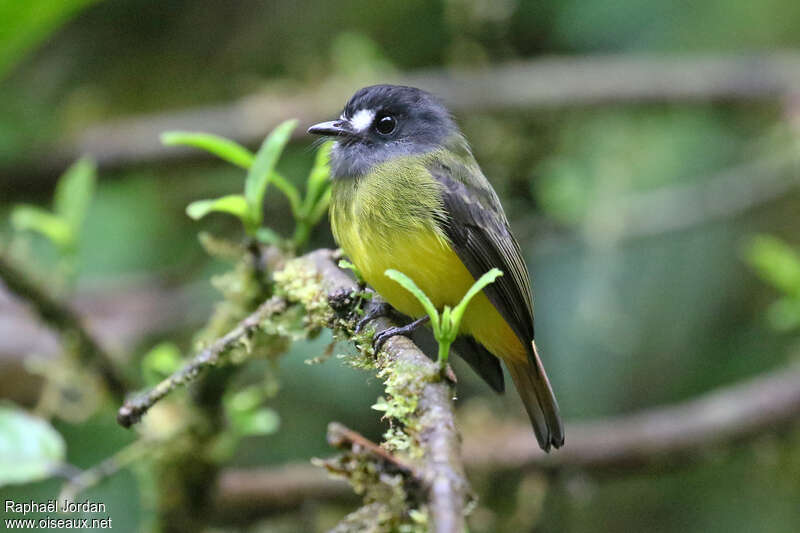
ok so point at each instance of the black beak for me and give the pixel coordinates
(333, 128)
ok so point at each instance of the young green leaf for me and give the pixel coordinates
(784, 314)
(776, 262)
(263, 166)
(234, 204)
(225, 149)
(321, 207)
(34, 218)
(264, 421)
(483, 281)
(289, 190)
(74, 192)
(345, 264)
(161, 361)
(319, 177)
(445, 325)
(246, 414)
(269, 236)
(246, 399)
(409, 285)
(29, 447)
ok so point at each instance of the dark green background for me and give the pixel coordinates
(623, 323)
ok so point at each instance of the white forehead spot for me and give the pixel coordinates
(362, 119)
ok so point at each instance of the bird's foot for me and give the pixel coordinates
(373, 310)
(388, 333)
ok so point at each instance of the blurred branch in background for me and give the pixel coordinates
(61, 318)
(656, 438)
(721, 196)
(543, 83)
(119, 314)
(650, 440)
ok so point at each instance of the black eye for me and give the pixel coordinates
(385, 124)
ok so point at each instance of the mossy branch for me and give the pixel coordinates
(133, 410)
(419, 403)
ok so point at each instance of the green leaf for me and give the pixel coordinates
(776, 262)
(234, 204)
(448, 331)
(161, 361)
(381, 405)
(483, 281)
(245, 415)
(23, 25)
(74, 193)
(29, 447)
(784, 314)
(321, 207)
(264, 421)
(225, 149)
(263, 166)
(345, 264)
(319, 177)
(246, 399)
(34, 218)
(266, 235)
(290, 191)
(409, 285)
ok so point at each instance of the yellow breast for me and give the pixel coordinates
(419, 249)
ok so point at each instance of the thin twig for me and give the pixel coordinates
(342, 437)
(61, 318)
(110, 466)
(133, 410)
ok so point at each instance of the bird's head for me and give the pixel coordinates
(382, 122)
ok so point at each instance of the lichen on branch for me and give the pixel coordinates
(418, 403)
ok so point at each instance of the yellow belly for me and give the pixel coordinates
(426, 257)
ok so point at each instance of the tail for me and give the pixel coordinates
(537, 396)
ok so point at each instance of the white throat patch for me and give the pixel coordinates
(362, 119)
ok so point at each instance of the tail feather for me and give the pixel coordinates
(537, 396)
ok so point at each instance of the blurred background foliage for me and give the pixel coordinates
(625, 319)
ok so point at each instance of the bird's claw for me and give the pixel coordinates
(373, 311)
(388, 333)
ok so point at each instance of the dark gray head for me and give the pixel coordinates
(382, 122)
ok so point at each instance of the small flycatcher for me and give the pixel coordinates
(409, 195)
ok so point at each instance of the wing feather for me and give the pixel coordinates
(477, 227)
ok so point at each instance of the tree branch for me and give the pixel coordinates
(242, 494)
(345, 438)
(133, 410)
(61, 318)
(433, 418)
(654, 438)
(651, 439)
(315, 281)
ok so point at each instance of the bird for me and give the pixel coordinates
(408, 194)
